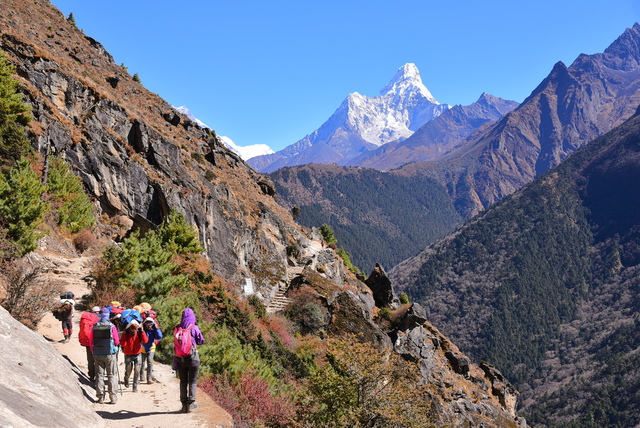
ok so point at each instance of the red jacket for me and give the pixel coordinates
(132, 343)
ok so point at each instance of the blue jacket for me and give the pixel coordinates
(153, 334)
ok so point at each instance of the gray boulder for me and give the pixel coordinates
(38, 386)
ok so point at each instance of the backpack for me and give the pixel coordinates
(102, 339)
(87, 321)
(57, 313)
(67, 295)
(182, 341)
(129, 315)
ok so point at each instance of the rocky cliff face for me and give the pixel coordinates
(138, 157)
(30, 397)
(571, 107)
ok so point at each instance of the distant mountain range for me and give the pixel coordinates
(362, 124)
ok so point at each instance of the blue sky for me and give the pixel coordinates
(271, 72)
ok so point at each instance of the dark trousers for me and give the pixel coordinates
(188, 373)
(90, 364)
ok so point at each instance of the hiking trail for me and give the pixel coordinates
(154, 405)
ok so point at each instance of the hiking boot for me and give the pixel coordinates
(135, 388)
(114, 399)
(100, 400)
(126, 383)
(185, 408)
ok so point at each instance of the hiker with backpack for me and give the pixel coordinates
(64, 313)
(154, 334)
(186, 359)
(87, 321)
(132, 339)
(104, 342)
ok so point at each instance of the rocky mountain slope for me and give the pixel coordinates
(362, 124)
(438, 136)
(545, 286)
(569, 108)
(139, 158)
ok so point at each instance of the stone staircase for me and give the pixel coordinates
(279, 301)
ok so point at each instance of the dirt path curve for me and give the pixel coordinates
(155, 405)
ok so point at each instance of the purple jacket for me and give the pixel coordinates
(189, 318)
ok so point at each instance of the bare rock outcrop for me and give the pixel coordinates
(464, 394)
(38, 386)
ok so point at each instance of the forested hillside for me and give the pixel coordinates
(545, 286)
(377, 217)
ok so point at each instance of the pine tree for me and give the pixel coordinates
(13, 116)
(21, 206)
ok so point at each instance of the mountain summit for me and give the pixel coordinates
(362, 124)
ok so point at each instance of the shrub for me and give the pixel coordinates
(404, 298)
(361, 386)
(250, 401)
(385, 313)
(84, 241)
(327, 234)
(28, 295)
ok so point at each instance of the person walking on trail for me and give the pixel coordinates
(186, 359)
(104, 342)
(154, 334)
(132, 339)
(67, 319)
(87, 321)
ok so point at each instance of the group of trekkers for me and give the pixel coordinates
(107, 330)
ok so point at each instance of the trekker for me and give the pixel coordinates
(104, 346)
(186, 359)
(132, 339)
(66, 315)
(87, 321)
(154, 334)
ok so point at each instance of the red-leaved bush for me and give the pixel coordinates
(250, 401)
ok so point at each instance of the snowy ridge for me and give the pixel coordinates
(245, 152)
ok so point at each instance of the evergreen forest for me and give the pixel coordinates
(377, 217)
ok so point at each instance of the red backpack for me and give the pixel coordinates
(87, 321)
(182, 341)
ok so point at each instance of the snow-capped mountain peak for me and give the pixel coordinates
(407, 80)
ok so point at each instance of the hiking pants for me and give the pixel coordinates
(188, 372)
(132, 363)
(147, 365)
(109, 365)
(91, 368)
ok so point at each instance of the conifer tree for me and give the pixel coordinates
(22, 209)
(13, 116)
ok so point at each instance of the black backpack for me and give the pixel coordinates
(102, 339)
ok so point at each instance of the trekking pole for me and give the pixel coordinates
(118, 372)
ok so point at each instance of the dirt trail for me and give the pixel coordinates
(155, 405)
